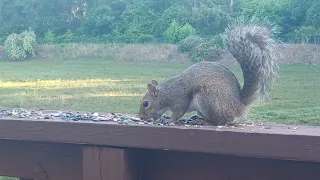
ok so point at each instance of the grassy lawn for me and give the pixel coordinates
(8, 178)
(109, 86)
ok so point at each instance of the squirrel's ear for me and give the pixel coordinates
(154, 82)
(152, 89)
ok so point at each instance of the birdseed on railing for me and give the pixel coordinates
(92, 116)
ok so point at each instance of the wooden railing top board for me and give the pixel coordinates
(276, 141)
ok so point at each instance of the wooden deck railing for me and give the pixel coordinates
(61, 150)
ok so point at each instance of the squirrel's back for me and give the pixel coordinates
(207, 75)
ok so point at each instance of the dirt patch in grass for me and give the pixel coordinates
(293, 53)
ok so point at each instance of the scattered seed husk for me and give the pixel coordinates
(119, 118)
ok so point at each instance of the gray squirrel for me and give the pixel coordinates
(210, 88)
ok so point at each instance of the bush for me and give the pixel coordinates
(217, 40)
(133, 35)
(176, 33)
(145, 38)
(209, 20)
(67, 37)
(175, 11)
(205, 51)
(100, 20)
(306, 34)
(186, 30)
(201, 50)
(313, 15)
(131, 38)
(49, 37)
(19, 46)
(189, 43)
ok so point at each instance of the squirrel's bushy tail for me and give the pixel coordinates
(253, 45)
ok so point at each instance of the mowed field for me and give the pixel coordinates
(104, 85)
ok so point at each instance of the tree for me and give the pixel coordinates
(313, 14)
(209, 20)
(175, 12)
(100, 21)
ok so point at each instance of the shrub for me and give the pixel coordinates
(313, 15)
(29, 42)
(145, 38)
(205, 51)
(305, 34)
(13, 46)
(130, 36)
(209, 20)
(175, 11)
(67, 37)
(100, 20)
(201, 50)
(19, 46)
(172, 32)
(208, 50)
(176, 33)
(189, 43)
(49, 37)
(217, 40)
(186, 30)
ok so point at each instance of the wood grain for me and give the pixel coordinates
(275, 143)
(161, 165)
(100, 163)
(35, 160)
(59, 161)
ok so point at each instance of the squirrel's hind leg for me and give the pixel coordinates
(214, 115)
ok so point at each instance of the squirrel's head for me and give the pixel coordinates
(149, 107)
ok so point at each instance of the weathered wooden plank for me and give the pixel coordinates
(161, 165)
(100, 163)
(278, 142)
(37, 160)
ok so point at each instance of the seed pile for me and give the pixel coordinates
(92, 116)
(119, 118)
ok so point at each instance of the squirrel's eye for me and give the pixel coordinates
(145, 104)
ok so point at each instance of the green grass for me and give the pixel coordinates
(85, 85)
(8, 178)
(109, 86)
(295, 97)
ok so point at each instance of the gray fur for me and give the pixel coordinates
(253, 45)
(212, 89)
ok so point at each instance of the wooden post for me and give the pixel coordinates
(100, 163)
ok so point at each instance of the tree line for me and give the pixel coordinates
(156, 21)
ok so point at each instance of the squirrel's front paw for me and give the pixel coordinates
(164, 120)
